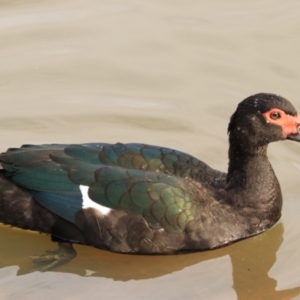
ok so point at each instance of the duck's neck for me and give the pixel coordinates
(246, 165)
(251, 183)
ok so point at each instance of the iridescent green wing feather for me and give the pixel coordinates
(119, 176)
(142, 157)
(164, 201)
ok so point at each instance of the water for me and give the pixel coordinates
(166, 73)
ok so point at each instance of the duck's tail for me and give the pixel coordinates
(18, 208)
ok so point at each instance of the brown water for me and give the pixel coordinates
(160, 72)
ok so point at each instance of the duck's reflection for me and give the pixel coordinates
(251, 261)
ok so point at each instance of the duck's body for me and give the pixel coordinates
(151, 199)
(145, 199)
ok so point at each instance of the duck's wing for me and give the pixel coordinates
(129, 156)
(142, 157)
(59, 177)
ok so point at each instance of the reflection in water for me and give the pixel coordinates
(251, 261)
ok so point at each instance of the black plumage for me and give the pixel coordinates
(139, 198)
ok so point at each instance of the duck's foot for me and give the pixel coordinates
(53, 258)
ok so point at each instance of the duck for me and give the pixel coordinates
(143, 199)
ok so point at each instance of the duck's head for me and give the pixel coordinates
(264, 118)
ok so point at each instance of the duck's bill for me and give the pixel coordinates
(294, 137)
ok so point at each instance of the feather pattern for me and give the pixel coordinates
(129, 177)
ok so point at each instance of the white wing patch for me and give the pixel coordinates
(87, 202)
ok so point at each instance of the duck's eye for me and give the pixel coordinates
(275, 115)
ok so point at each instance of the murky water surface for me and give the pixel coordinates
(159, 72)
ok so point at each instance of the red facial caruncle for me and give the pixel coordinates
(288, 122)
